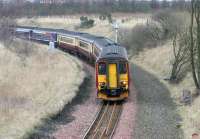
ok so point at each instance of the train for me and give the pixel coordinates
(110, 58)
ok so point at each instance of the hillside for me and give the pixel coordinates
(156, 61)
(35, 83)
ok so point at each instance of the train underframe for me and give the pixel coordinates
(113, 94)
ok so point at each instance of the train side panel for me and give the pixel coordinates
(67, 42)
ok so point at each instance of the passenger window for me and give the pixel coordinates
(102, 69)
(83, 44)
(67, 40)
(96, 51)
(122, 68)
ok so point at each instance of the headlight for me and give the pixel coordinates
(123, 83)
(102, 84)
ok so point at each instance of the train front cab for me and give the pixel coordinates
(112, 80)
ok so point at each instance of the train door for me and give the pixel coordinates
(112, 71)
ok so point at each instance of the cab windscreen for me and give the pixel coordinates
(102, 68)
(122, 68)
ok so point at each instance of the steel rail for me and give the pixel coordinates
(105, 123)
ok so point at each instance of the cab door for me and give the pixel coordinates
(112, 71)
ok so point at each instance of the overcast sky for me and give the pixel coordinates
(138, 0)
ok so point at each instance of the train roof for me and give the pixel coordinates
(102, 41)
(67, 32)
(87, 37)
(109, 48)
(37, 29)
(113, 52)
(98, 40)
(23, 29)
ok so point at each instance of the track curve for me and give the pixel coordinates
(104, 125)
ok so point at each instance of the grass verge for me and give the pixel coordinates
(157, 61)
(157, 115)
(35, 83)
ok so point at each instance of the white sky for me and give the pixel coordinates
(137, 0)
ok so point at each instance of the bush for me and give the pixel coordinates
(170, 22)
(139, 37)
(109, 16)
(163, 25)
(174, 26)
(123, 20)
(105, 16)
(83, 18)
(6, 29)
(181, 52)
(86, 23)
(102, 17)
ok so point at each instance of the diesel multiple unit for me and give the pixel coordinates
(111, 61)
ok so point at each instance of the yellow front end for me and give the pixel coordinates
(112, 76)
(113, 85)
(101, 82)
(124, 81)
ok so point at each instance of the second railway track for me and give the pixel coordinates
(105, 123)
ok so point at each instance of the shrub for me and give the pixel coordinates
(6, 29)
(102, 17)
(181, 53)
(83, 18)
(174, 26)
(170, 22)
(163, 25)
(139, 37)
(86, 23)
(105, 16)
(109, 16)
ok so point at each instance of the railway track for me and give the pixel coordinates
(104, 125)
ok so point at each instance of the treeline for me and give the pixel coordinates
(22, 8)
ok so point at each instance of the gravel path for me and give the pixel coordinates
(156, 116)
(126, 123)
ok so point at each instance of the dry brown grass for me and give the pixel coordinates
(34, 86)
(157, 61)
(71, 22)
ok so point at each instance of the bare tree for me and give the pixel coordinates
(154, 4)
(6, 29)
(165, 4)
(181, 54)
(195, 17)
